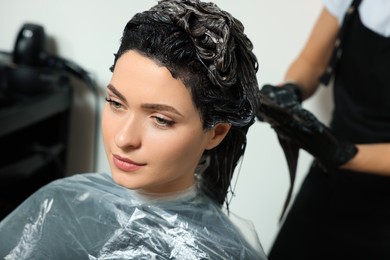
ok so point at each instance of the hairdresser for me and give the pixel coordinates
(342, 210)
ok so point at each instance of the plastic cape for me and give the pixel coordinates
(88, 216)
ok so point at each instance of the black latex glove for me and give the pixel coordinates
(282, 109)
(287, 95)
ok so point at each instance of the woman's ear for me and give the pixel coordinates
(217, 134)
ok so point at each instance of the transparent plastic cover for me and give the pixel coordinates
(88, 216)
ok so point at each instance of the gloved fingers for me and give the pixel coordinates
(275, 101)
(287, 96)
(271, 112)
(304, 120)
(295, 118)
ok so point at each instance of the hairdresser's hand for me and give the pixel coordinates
(286, 95)
(297, 125)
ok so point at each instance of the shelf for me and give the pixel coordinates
(27, 166)
(27, 111)
(35, 109)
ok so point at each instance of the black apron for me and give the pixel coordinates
(344, 214)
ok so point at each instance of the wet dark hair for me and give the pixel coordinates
(207, 49)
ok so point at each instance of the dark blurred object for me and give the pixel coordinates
(31, 80)
(24, 72)
(35, 102)
(32, 69)
(31, 53)
(33, 137)
(22, 81)
(30, 45)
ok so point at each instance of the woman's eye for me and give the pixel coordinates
(160, 121)
(113, 103)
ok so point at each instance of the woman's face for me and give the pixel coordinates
(152, 132)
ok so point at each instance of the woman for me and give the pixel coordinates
(342, 210)
(181, 99)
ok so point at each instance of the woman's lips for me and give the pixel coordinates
(125, 164)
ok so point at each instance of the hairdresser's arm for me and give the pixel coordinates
(300, 126)
(306, 70)
(374, 158)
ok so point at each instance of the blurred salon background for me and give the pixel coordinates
(85, 34)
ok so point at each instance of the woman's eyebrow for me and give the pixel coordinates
(157, 107)
(161, 107)
(116, 92)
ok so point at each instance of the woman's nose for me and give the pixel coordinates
(129, 135)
